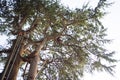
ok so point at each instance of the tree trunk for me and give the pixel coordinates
(13, 66)
(33, 67)
(14, 71)
(34, 61)
(12, 74)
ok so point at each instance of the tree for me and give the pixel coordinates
(57, 42)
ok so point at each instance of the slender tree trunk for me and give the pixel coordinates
(33, 67)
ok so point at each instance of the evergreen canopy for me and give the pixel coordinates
(74, 38)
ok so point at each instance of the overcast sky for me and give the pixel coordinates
(112, 22)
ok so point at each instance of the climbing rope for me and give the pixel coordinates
(13, 56)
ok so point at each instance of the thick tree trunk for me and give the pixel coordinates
(15, 69)
(34, 61)
(14, 61)
(33, 67)
(12, 74)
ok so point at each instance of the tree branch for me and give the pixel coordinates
(6, 51)
(39, 46)
(33, 25)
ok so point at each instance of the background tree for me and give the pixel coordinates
(55, 41)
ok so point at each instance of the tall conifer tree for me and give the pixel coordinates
(55, 41)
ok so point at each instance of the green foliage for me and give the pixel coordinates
(81, 33)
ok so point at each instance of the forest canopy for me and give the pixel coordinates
(53, 42)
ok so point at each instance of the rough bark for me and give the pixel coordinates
(14, 71)
(12, 75)
(12, 66)
(33, 68)
(34, 61)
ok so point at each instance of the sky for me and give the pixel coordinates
(112, 23)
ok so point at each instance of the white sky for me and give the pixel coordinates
(112, 22)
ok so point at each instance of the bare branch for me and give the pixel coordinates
(6, 51)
